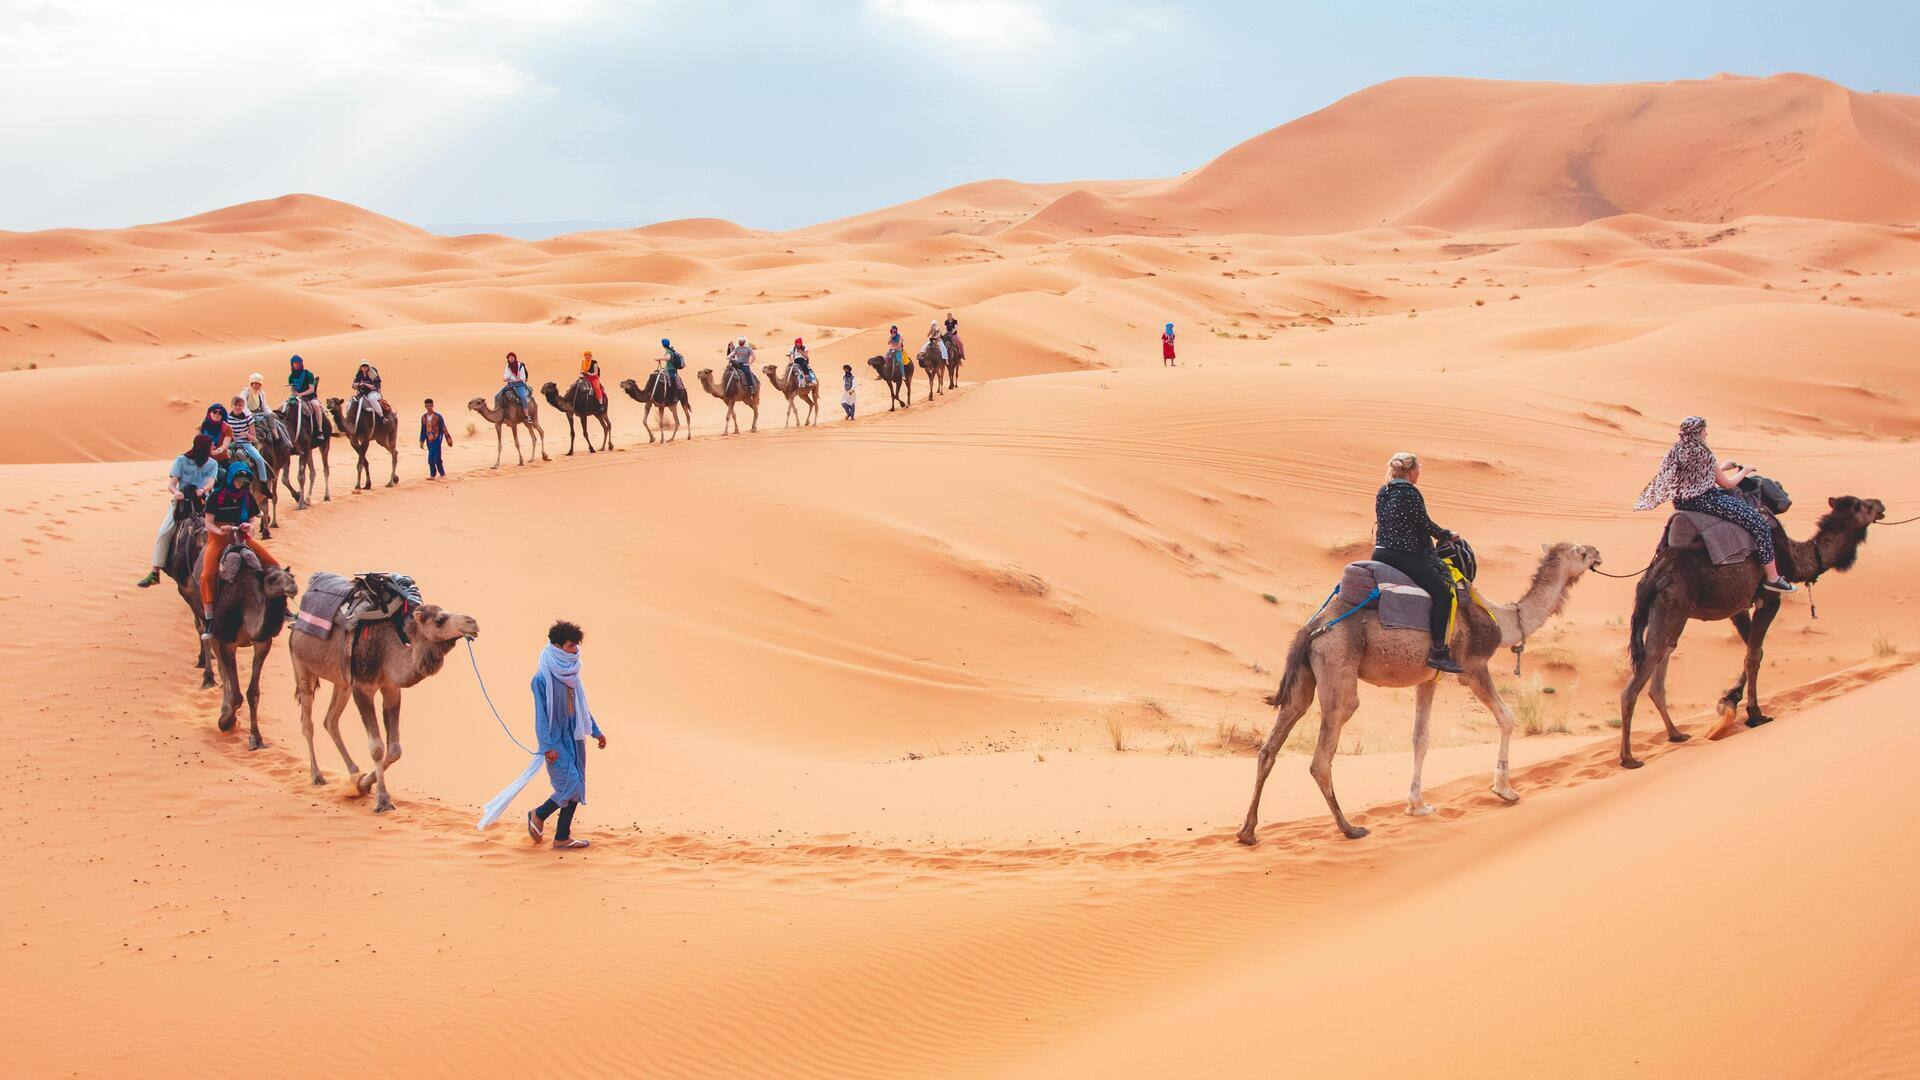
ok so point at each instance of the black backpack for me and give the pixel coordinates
(1769, 493)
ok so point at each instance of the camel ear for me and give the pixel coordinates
(1833, 504)
(1546, 549)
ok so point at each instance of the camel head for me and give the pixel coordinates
(333, 406)
(632, 388)
(551, 391)
(280, 583)
(478, 405)
(1849, 516)
(878, 364)
(433, 623)
(706, 380)
(1570, 559)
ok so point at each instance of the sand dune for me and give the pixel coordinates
(929, 729)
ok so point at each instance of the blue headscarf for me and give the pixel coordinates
(1169, 328)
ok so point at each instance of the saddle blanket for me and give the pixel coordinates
(236, 557)
(1402, 604)
(1725, 541)
(325, 595)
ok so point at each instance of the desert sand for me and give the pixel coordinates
(929, 731)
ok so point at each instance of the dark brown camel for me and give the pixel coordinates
(382, 665)
(933, 364)
(956, 354)
(364, 425)
(306, 436)
(248, 612)
(277, 451)
(580, 402)
(183, 568)
(1682, 585)
(792, 387)
(668, 397)
(897, 381)
(736, 391)
(508, 413)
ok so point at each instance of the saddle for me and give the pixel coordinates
(334, 600)
(238, 557)
(1725, 542)
(1403, 605)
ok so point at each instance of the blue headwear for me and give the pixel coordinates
(1169, 328)
(296, 362)
(665, 344)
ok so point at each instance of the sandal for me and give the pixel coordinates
(569, 845)
(535, 827)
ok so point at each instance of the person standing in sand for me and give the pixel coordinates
(1166, 347)
(562, 721)
(433, 431)
(846, 389)
(194, 469)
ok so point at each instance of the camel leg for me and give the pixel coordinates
(376, 748)
(1754, 632)
(326, 471)
(260, 651)
(1480, 681)
(336, 706)
(755, 425)
(390, 718)
(230, 688)
(500, 446)
(1290, 712)
(1657, 693)
(542, 432)
(569, 434)
(1337, 703)
(393, 451)
(304, 685)
(606, 433)
(1662, 634)
(1422, 724)
(646, 411)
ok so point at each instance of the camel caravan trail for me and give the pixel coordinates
(927, 729)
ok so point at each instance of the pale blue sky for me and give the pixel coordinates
(775, 115)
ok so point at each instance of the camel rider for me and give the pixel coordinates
(953, 330)
(515, 378)
(934, 339)
(306, 390)
(239, 433)
(896, 350)
(672, 364)
(1403, 537)
(366, 385)
(228, 513)
(214, 426)
(1693, 479)
(255, 395)
(797, 356)
(590, 370)
(193, 474)
(740, 355)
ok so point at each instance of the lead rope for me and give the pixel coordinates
(488, 698)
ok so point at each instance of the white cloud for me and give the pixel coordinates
(998, 25)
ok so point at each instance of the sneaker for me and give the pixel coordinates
(535, 827)
(569, 845)
(1440, 658)
(148, 582)
(1780, 584)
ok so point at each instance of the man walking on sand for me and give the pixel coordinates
(433, 431)
(563, 721)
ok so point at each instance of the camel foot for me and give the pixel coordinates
(362, 782)
(1631, 763)
(1418, 809)
(319, 780)
(206, 681)
(1355, 832)
(1508, 796)
(1757, 719)
(1245, 836)
(255, 742)
(227, 722)
(384, 806)
(1679, 736)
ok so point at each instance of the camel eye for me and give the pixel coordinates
(441, 621)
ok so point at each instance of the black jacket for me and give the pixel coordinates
(1401, 522)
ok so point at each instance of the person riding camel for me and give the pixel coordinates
(239, 438)
(193, 474)
(934, 338)
(1403, 537)
(1693, 479)
(590, 368)
(366, 386)
(228, 513)
(953, 331)
(671, 365)
(306, 390)
(797, 356)
(255, 395)
(515, 378)
(740, 356)
(214, 427)
(896, 350)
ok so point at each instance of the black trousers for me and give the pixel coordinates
(1430, 574)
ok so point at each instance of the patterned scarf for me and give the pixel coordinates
(1686, 471)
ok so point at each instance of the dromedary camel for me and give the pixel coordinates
(669, 398)
(307, 436)
(1359, 648)
(367, 425)
(897, 381)
(956, 354)
(580, 402)
(183, 568)
(933, 364)
(277, 451)
(382, 665)
(1683, 584)
(736, 392)
(248, 612)
(508, 413)
(806, 390)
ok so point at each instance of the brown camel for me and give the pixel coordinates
(580, 402)
(792, 387)
(183, 568)
(669, 397)
(933, 364)
(367, 424)
(508, 413)
(248, 612)
(1359, 648)
(382, 665)
(306, 436)
(1683, 584)
(897, 380)
(956, 354)
(276, 449)
(736, 392)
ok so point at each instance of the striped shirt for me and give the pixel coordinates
(240, 427)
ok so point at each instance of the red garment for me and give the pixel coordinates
(1166, 346)
(599, 392)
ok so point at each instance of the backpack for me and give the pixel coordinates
(1769, 492)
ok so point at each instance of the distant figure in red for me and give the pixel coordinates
(1166, 347)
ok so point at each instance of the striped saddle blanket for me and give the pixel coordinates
(1402, 604)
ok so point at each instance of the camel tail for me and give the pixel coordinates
(1296, 663)
(1643, 596)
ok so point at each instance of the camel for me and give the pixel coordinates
(306, 437)
(660, 394)
(735, 393)
(508, 413)
(277, 450)
(933, 364)
(367, 426)
(248, 612)
(1357, 648)
(582, 402)
(1682, 585)
(793, 387)
(382, 665)
(956, 354)
(183, 569)
(896, 381)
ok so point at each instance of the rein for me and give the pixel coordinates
(488, 698)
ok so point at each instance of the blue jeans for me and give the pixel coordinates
(253, 456)
(1732, 508)
(434, 466)
(523, 392)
